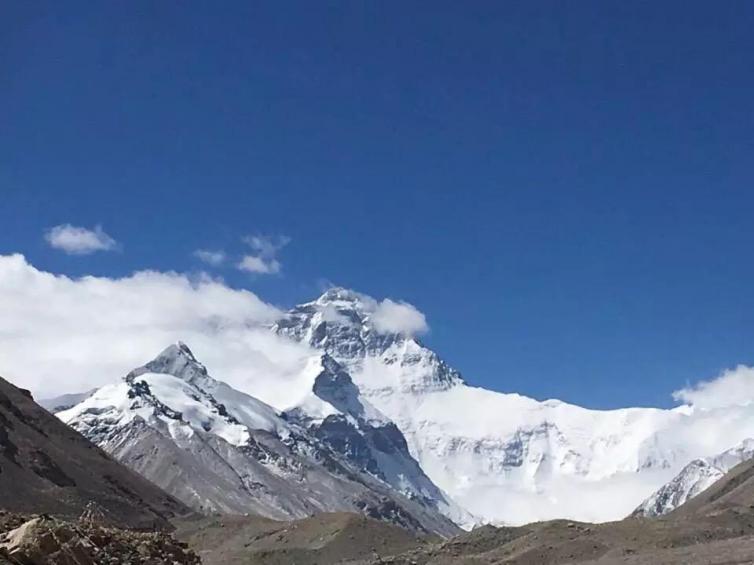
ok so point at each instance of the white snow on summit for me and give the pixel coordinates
(173, 385)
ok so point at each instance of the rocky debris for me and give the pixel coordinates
(44, 540)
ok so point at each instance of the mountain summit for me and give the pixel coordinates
(341, 322)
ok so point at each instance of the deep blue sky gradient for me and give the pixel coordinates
(564, 188)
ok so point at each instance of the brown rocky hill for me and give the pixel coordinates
(46, 467)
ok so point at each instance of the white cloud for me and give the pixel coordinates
(213, 258)
(264, 261)
(76, 240)
(398, 317)
(733, 387)
(259, 265)
(59, 334)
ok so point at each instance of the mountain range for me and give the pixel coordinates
(380, 423)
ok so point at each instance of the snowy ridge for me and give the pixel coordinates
(695, 478)
(174, 393)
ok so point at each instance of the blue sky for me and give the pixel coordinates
(564, 190)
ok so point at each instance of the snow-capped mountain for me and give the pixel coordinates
(694, 478)
(218, 449)
(371, 418)
(507, 458)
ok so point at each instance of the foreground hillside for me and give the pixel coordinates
(327, 538)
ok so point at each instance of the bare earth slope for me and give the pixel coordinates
(716, 528)
(45, 466)
(326, 538)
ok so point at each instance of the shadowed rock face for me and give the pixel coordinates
(367, 440)
(45, 466)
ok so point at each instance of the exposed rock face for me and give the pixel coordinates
(368, 440)
(45, 466)
(218, 449)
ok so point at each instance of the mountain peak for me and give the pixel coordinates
(177, 360)
(339, 294)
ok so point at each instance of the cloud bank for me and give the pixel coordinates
(59, 334)
(733, 387)
(76, 240)
(398, 317)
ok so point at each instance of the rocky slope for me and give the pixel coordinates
(695, 478)
(42, 540)
(220, 450)
(45, 466)
(505, 458)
